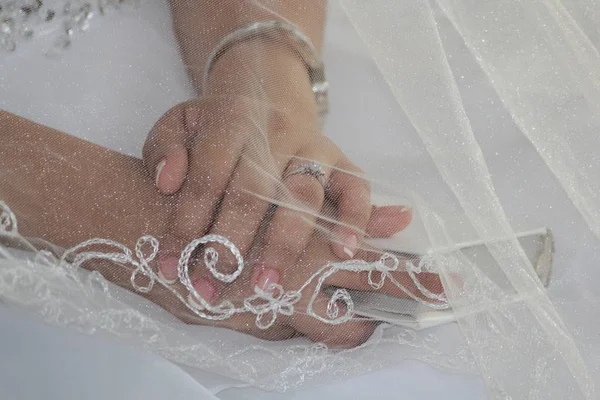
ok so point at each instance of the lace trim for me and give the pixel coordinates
(266, 304)
(66, 295)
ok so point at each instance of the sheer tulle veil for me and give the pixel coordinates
(490, 131)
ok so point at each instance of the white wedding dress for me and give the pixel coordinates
(115, 105)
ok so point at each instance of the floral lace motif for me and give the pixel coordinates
(265, 304)
(268, 304)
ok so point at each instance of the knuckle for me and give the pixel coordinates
(324, 145)
(363, 185)
(201, 182)
(306, 189)
(217, 112)
(280, 122)
(243, 105)
(173, 114)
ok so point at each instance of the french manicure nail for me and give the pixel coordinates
(167, 269)
(350, 244)
(265, 277)
(169, 281)
(159, 169)
(204, 289)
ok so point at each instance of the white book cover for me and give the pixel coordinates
(537, 244)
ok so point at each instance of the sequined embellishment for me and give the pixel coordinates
(54, 21)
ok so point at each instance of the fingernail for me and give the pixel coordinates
(204, 290)
(405, 209)
(265, 277)
(159, 169)
(167, 269)
(192, 302)
(350, 244)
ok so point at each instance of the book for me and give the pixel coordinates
(538, 246)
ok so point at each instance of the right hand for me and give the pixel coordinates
(385, 221)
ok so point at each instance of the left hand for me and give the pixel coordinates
(221, 150)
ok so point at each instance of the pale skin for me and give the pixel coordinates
(66, 190)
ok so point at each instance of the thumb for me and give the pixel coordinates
(165, 154)
(170, 171)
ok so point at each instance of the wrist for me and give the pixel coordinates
(267, 71)
(66, 190)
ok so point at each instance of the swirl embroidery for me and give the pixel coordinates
(267, 304)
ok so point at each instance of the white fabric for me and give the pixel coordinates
(44, 362)
(113, 104)
(143, 80)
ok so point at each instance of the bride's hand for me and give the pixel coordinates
(226, 154)
(66, 191)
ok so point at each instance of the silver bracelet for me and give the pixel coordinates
(299, 42)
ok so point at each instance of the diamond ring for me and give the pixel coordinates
(312, 168)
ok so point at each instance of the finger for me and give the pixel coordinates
(403, 287)
(213, 159)
(304, 319)
(214, 155)
(352, 195)
(245, 323)
(164, 152)
(171, 171)
(293, 223)
(245, 205)
(388, 220)
(202, 280)
(348, 334)
(207, 263)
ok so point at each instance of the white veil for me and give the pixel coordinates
(542, 65)
(493, 133)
